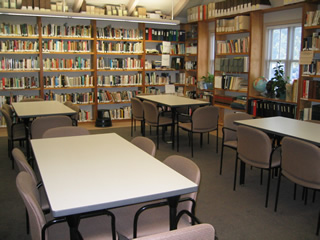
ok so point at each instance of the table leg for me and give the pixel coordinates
(242, 172)
(173, 203)
(26, 124)
(173, 112)
(73, 222)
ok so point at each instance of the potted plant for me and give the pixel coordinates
(208, 81)
(276, 87)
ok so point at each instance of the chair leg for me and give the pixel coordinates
(221, 159)
(201, 136)
(191, 144)
(157, 137)
(314, 195)
(27, 222)
(208, 137)
(235, 173)
(268, 188)
(131, 126)
(217, 141)
(318, 225)
(278, 190)
(261, 176)
(306, 196)
(178, 138)
(294, 191)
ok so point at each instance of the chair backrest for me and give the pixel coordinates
(31, 99)
(22, 163)
(146, 144)
(205, 118)
(8, 109)
(228, 122)
(187, 168)
(8, 119)
(67, 131)
(202, 231)
(151, 112)
(30, 195)
(301, 162)
(75, 108)
(42, 124)
(254, 146)
(136, 108)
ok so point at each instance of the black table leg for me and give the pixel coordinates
(173, 203)
(73, 222)
(242, 172)
(173, 112)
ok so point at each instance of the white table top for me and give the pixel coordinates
(282, 126)
(172, 100)
(102, 171)
(41, 108)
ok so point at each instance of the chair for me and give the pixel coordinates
(15, 132)
(145, 144)
(153, 118)
(229, 132)
(31, 99)
(143, 220)
(67, 131)
(203, 120)
(23, 166)
(202, 231)
(255, 148)
(137, 114)
(42, 124)
(74, 117)
(96, 227)
(300, 164)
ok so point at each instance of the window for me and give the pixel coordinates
(211, 53)
(283, 44)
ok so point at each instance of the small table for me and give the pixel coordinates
(173, 102)
(88, 173)
(282, 126)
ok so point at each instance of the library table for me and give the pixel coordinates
(173, 102)
(93, 172)
(282, 126)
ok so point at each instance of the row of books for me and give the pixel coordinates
(116, 10)
(240, 45)
(312, 18)
(152, 90)
(165, 34)
(32, 63)
(23, 30)
(19, 82)
(9, 4)
(14, 98)
(237, 23)
(43, 5)
(19, 46)
(264, 108)
(174, 49)
(311, 89)
(64, 81)
(85, 115)
(76, 97)
(66, 46)
(66, 64)
(191, 65)
(311, 69)
(235, 64)
(119, 63)
(119, 47)
(192, 48)
(110, 32)
(156, 79)
(311, 113)
(231, 83)
(55, 30)
(225, 8)
(119, 80)
(121, 113)
(312, 42)
(177, 63)
(105, 96)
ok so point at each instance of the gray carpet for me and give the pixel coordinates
(238, 215)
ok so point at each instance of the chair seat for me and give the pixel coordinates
(276, 157)
(187, 126)
(231, 144)
(150, 222)
(162, 121)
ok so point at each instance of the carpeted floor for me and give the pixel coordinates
(238, 215)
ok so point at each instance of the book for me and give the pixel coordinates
(13, 4)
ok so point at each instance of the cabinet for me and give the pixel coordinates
(309, 85)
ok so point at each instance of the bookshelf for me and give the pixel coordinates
(309, 85)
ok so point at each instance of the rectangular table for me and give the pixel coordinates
(282, 126)
(88, 173)
(173, 102)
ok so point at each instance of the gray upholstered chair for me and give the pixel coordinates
(42, 124)
(145, 144)
(153, 217)
(229, 132)
(137, 114)
(74, 117)
(203, 120)
(153, 118)
(300, 164)
(255, 149)
(15, 132)
(23, 166)
(202, 231)
(31, 99)
(67, 131)
(96, 227)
